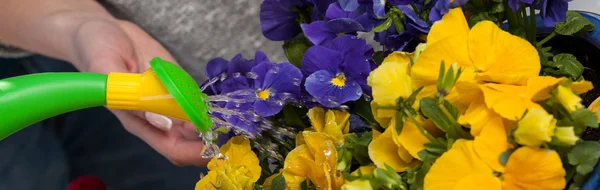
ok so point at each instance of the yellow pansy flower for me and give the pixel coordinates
(388, 82)
(535, 128)
(534, 168)
(315, 161)
(568, 99)
(368, 169)
(595, 108)
(359, 184)
(333, 122)
(239, 171)
(526, 168)
(491, 143)
(566, 135)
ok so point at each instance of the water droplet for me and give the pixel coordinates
(359, 92)
(327, 153)
(367, 97)
(251, 75)
(223, 76)
(296, 81)
(237, 74)
(274, 70)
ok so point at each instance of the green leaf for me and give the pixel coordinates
(362, 108)
(504, 156)
(295, 49)
(292, 116)
(430, 109)
(584, 118)
(384, 26)
(573, 23)
(399, 122)
(426, 155)
(568, 64)
(584, 155)
(420, 179)
(435, 147)
(497, 8)
(545, 55)
(278, 183)
(307, 185)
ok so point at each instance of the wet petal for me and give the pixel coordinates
(335, 11)
(344, 25)
(266, 108)
(316, 116)
(215, 67)
(455, 165)
(391, 80)
(534, 168)
(500, 56)
(320, 86)
(283, 77)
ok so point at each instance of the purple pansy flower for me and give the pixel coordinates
(278, 19)
(414, 27)
(276, 84)
(441, 7)
(337, 22)
(553, 11)
(337, 71)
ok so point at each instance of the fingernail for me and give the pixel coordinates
(159, 121)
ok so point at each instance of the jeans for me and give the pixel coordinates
(50, 154)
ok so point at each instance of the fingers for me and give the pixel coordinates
(178, 150)
(145, 46)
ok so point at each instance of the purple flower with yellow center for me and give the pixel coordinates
(337, 71)
(337, 22)
(275, 85)
(441, 7)
(553, 11)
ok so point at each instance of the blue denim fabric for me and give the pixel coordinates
(51, 153)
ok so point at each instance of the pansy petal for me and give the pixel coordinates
(382, 149)
(351, 45)
(581, 87)
(261, 71)
(277, 21)
(491, 143)
(410, 14)
(318, 32)
(283, 77)
(239, 64)
(316, 116)
(501, 57)
(295, 166)
(391, 80)
(383, 116)
(509, 101)
(344, 25)
(234, 84)
(320, 58)
(266, 108)
(260, 57)
(412, 139)
(451, 50)
(477, 116)
(322, 5)
(454, 21)
(479, 180)
(540, 87)
(215, 67)
(379, 7)
(399, 2)
(320, 86)
(349, 5)
(335, 11)
(456, 164)
(534, 168)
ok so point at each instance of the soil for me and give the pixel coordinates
(589, 55)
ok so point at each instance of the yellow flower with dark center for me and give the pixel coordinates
(526, 168)
(239, 171)
(315, 161)
(535, 128)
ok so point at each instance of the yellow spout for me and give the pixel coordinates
(145, 92)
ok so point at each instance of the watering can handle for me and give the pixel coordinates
(25, 100)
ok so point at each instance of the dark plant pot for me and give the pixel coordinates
(586, 47)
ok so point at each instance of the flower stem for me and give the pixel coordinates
(420, 127)
(513, 21)
(532, 25)
(456, 125)
(546, 39)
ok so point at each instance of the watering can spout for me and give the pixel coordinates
(164, 89)
(144, 92)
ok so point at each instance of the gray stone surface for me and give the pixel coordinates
(195, 31)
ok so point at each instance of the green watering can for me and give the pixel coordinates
(164, 89)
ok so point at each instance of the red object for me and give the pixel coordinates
(87, 183)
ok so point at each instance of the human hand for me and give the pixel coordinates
(110, 45)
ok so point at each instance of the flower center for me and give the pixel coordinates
(339, 80)
(263, 94)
